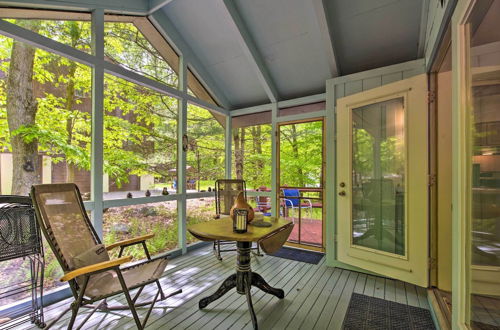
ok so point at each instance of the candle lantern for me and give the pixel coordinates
(240, 217)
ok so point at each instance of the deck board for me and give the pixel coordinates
(390, 291)
(316, 296)
(370, 286)
(411, 295)
(343, 302)
(400, 292)
(379, 291)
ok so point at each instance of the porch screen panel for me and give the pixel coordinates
(378, 176)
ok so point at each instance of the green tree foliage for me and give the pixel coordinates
(206, 153)
(301, 152)
(140, 125)
(255, 143)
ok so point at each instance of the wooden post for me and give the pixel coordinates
(97, 153)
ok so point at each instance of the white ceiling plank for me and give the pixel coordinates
(327, 36)
(154, 5)
(170, 33)
(251, 51)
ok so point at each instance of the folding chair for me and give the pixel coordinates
(91, 275)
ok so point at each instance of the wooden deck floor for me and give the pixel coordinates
(316, 296)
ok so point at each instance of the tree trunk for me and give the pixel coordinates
(21, 111)
(70, 122)
(257, 149)
(295, 149)
(238, 152)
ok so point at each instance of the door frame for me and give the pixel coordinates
(464, 273)
(323, 181)
(461, 177)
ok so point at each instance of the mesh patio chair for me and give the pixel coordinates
(91, 275)
(293, 201)
(226, 191)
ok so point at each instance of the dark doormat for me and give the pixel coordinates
(366, 312)
(311, 257)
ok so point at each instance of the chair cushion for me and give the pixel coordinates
(108, 282)
(292, 193)
(94, 255)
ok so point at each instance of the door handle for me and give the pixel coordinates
(342, 193)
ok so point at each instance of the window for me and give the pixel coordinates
(205, 157)
(252, 155)
(72, 32)
(126, 222)
(140, 140)
(46, 142)
(131, 47)
(199, 210)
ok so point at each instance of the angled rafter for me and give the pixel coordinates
(154, 5)
(326, 35)
(170, 33)
(252, 52)
(423, 28)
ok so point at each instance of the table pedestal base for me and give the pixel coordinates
(243, 281)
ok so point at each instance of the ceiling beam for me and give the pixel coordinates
(251, 51)
(154, 5)
(326, 36)
(129, 7)
(423, 28)
(281, 104)
(170, 33)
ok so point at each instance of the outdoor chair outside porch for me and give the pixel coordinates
(90, 273)
(293, 200)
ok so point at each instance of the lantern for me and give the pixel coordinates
(240, 217)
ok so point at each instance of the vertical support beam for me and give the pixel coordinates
(97, 154)
(228, 146)
(274, 161)
(330, 181)
(181, 157)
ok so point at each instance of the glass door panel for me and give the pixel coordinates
(300, 175)
(378, 176)
(484, 166)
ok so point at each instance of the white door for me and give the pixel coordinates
(382, 177)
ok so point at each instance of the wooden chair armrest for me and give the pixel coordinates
(130, 241)
(94, 268)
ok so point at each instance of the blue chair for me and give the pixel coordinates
(292, 201)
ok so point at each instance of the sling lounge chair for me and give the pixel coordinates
(91, 275)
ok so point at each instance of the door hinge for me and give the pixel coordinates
(431, 180)
(432, 263)
(431, 97)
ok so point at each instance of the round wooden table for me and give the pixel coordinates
(244, 278)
